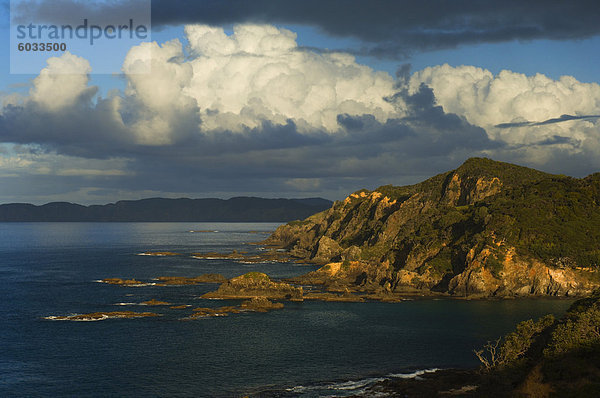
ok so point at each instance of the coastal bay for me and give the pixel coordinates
(54, 270)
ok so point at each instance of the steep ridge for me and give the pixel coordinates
(487, 228)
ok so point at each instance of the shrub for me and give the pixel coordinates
(507, 351)
(345, 265)
(581, 330)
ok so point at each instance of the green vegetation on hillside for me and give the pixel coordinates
(548, 357)
(553, 218)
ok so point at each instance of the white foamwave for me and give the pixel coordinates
(73, 319)
(126, 304)
(350, 385)
(358, 386)
(155, 254)
(355, 385)
(142, 284)
(90, 319)
(413, 375)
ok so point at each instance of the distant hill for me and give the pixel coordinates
(487, 228)
(240, 209)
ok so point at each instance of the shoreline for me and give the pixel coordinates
(343, 292)
(408, 383)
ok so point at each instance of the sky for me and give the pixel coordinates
(295, 98)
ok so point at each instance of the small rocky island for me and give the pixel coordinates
(100, 316)
(168, 280)
(255, 284)
(255, 304)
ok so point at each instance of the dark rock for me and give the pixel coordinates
(155, 302)
(124, 282)
(260, 304)
(181, 280)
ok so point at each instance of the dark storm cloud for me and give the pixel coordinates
(557, 139)
(69, 11)
(426, 130)
(82, 130)
(267, 136)
(563, 118)
(387, 28)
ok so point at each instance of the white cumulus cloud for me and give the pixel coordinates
(157, 98)
(63, 83)
(256, 74)
(487, 101)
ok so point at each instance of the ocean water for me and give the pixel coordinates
(307, 349)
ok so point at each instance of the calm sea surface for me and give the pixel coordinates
(307, 349)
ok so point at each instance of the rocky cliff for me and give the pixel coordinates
(485, 229)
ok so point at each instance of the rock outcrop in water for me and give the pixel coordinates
(168, 280)
(182, 280)
(255, 304)
(122, 282)
(485, 229)
(260, 304)
(155, 302)
(270, 256)
(100, 316)
(255, 284)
